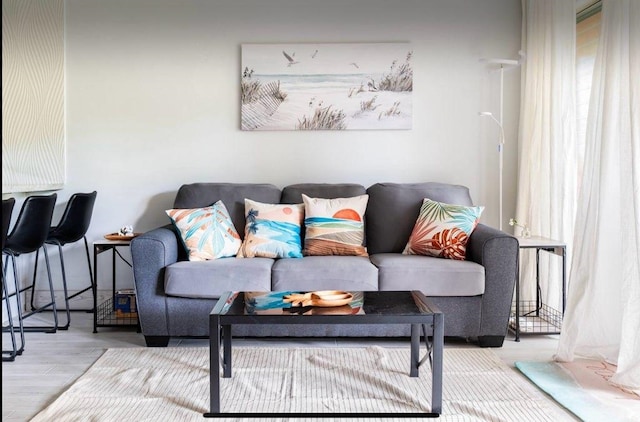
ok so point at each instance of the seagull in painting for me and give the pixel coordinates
(355, 64)
(291, 61)
(247, 73)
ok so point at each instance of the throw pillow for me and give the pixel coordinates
(272, 230)
(442, 230)
(207, 233)
(335, 226)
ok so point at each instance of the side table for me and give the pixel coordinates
(535, 317)
(104, 314)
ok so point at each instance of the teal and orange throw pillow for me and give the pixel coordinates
(272, 230)
(334, 226)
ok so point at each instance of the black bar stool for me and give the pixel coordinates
(10, 355)
(72, 227)
(28, 235)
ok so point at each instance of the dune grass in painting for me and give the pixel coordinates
(400, 78)
(323, 118)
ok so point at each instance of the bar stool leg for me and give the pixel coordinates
(16, 351)
(53, 295)
(52, 304)
(64, 288)
(33, 283)
(10, 354)
(90, 287)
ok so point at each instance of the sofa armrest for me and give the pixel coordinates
(151, 252)
(498, 253)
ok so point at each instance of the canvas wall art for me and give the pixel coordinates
(331, 86)
(33, 91)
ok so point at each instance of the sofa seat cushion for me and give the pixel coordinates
(350, 273)
(433, 276)
(209, 279)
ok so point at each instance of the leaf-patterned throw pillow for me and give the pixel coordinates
(207, 233)
(334, 226)
(272, 230)
(442, 230)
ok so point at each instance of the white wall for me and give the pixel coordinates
(152, 101)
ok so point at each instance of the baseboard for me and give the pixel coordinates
(82, 301)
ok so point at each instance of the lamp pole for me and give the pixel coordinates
(502, 63)
(500, 161)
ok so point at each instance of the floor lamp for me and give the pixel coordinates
(503, 63)
(500, 155)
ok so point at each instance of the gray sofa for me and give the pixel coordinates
(175, 296)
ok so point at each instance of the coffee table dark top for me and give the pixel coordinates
(366, 308)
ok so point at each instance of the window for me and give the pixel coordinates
(587, 34)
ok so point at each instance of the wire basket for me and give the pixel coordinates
(538, 319)
(107, 315)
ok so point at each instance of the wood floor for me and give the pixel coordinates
(52, 362)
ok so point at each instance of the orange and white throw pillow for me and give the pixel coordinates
(442, 230)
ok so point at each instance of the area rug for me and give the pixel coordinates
(582, 387)
(172, 384)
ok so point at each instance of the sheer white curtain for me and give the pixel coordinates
(602, 320)
(547, 138)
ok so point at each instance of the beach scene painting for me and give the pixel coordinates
(329, 86)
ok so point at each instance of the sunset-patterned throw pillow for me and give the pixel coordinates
(207, 233)
(334, 226)
(442, 230)
(272, 230)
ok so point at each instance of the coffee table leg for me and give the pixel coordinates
(415, 350)
(436, 370)
(214, 364)
(226, 341)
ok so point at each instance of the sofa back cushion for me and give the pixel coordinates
(292, 194)
(394, 207)
(199, 195)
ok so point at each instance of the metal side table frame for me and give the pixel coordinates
(99, 247)
(552, 246)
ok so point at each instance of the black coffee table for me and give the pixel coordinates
(384, 307)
